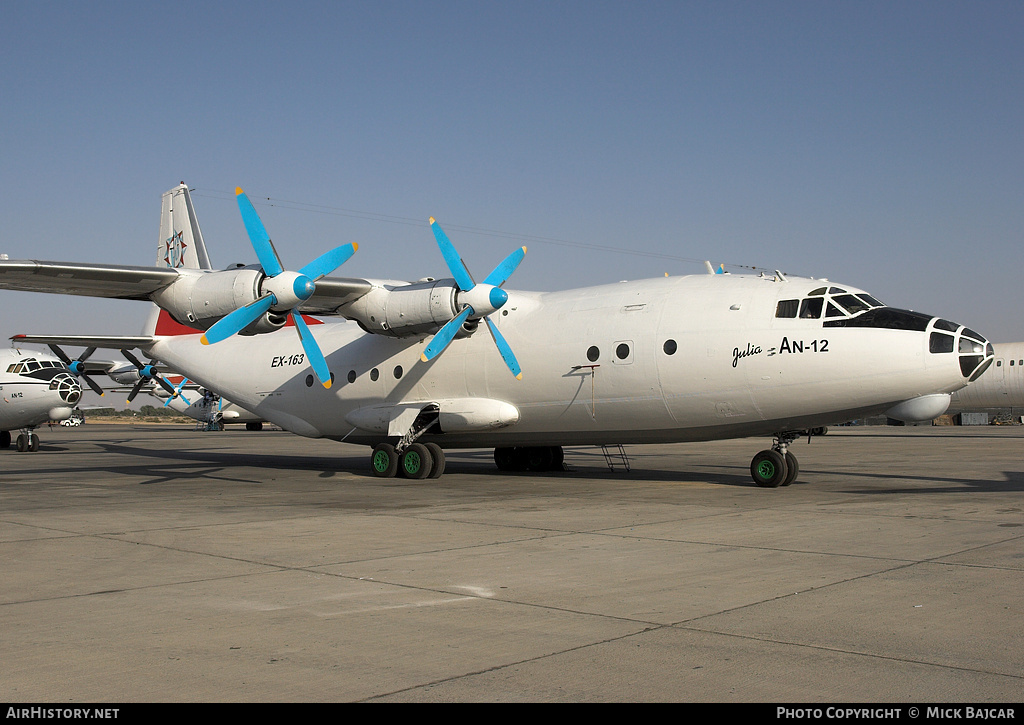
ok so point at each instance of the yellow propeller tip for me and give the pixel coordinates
(519, 376)
(238, 191)
(524, 250)
(204, 340)
(327, 384)
(424, 358)
(355, 246)
(431, 220)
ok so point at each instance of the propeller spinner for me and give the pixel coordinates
(480, 300)
(284, 291)
(76, 366)
(146, 373)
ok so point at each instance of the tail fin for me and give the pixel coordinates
(181, 242)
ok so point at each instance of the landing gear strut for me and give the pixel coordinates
(777, 466)
(27, 441)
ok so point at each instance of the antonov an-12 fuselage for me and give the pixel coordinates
(455, 363)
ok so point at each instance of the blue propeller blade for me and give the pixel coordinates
(445, 335)
(503, 271)
(238, 320)
(265, 251)
(504, 349)
(451, 257)
(313, 353)
(329, 261)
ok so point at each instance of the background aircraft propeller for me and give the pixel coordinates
(178, 394)
(76, 366)
(284, 291)
(480, 300)
(146, 373)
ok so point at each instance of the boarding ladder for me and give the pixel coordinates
(615, 456)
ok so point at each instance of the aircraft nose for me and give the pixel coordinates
(67, 387)
(975, 353)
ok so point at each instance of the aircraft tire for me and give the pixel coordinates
(384, 461)
(539, 459)
(504, 458)
(792, 469)
(437, 456)
(22, 443)
(558, 458)
(254, 426)
(415, 462)
(33, 444)
(5, 439)
(768, 469)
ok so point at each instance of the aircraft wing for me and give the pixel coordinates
(92, 280)
(113, 342)
(333, 292)
(138, 283)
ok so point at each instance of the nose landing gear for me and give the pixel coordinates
(776, 466)
(27, 441)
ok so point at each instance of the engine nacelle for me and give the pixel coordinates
(405, 310)
(199, 298)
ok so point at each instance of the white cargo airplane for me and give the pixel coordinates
(34, 388)
(1001, 386)
(670, 359)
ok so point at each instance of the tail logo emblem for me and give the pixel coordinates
(175, 250)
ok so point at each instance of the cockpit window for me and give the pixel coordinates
(852, 303)
(971, 333)
(836, 290)
(971, 346)
(31, 365)
(810, 308)
(946, 325)
(870, 300)
(816, 292)
(940, 342)
(885, 317)
(787, 308)
(833, 311)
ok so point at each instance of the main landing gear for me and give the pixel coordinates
(417, 461)
(776, 466)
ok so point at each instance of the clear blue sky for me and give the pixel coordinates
(879, 144)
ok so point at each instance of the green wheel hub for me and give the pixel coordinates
(766, 469)
(412, 463)
(381, 461)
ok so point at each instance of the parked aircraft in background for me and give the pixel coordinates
(35, 388)
(670, 359)
(1001, 386)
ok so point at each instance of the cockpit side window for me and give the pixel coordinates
(946, 325)
(787, 308)
(940, 342)
(810, 308)
(833, 311)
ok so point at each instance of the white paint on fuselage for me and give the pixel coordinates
(737, 369)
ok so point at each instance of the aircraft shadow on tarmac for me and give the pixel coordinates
(482, 459)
